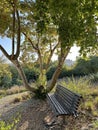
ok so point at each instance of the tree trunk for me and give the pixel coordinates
(22, 75)
(58, 70)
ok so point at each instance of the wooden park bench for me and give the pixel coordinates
(64, 102)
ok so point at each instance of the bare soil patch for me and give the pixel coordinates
(37, 115)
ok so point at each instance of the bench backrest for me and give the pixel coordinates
(68, 99)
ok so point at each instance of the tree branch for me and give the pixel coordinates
(18, 35)
(5, 53)
(51, 54)
(13, 34)
(30, 41)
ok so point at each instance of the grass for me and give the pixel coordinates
(13, 90)
(81, 86)
(22, 97)
(89, 93)
(10, 125)
(95, 123)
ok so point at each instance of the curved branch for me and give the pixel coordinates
(51, 54)
(62, 58)
(30, 41)
(5, 52)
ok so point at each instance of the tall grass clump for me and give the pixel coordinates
(15, 89)
(79, 85)
(2, 93)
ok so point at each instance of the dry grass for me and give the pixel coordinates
(15, 89)
(21, 97)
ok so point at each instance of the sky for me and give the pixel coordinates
(6, 43)
(74, 52)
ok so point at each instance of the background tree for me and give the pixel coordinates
(5, 74)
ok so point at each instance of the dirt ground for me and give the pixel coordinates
(34, 114)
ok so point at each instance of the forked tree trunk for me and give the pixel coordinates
(58, 70)
(22, 75)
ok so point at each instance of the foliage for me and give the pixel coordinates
(45, 23)
(82, 67)
(5, 18)
(31, 73)
(15, 77)
(3, 126)
(40, 93)
(79, 85)
(94, 77)
(86, 66)
(79, 28)
(50, 72)
(9, 126)
(5, 76)
(95, 123)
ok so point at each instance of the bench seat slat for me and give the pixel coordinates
(57, 105)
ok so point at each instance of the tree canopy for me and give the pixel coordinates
(48, 26)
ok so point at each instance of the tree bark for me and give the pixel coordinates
(22, 75)
(58, 70)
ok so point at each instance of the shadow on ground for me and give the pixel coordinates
(33, 114)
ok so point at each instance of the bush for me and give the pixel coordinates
(31, 73)
(10, 126)
(5, 76)
(94, 77)
(50, 72)
(16, 80)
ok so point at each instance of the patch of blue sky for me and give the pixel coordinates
(6, 44)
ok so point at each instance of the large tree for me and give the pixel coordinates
(74, 21)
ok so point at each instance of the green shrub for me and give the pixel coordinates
(4, 126)
(5, 76)
(95, 123)
(32, 74)
(94, 77)
(50, 72)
